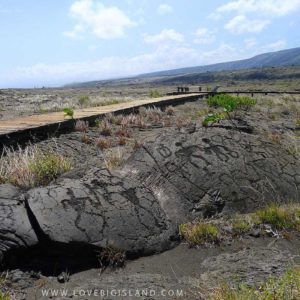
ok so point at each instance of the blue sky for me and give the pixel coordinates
(53, 42)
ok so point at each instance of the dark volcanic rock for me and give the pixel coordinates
(138, 208)
(15, 227)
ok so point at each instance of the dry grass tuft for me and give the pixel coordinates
(105, 128)
(170, 111)
(123, 131)
(81, 126)
(103, 143)
(114, 159)
(31, 167)
(112, 257)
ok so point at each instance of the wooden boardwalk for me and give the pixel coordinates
(17, 130)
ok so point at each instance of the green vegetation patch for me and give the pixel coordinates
(199, 233)
(286, 287)
(154, 94)
(213, 118)
(4, 296)
(280, 217)
(47, 167)
(83, 100)
(230, 103)
(69, 112)
(283, 218)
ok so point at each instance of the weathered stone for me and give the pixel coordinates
(15, 227)
(176, 178)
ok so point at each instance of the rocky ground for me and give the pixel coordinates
(24, 102)
(169, 170)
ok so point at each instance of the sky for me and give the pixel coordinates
(55, 42)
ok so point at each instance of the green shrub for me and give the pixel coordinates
(69, 112)
(154, 94)
(213, 118)
(83, 100)
(230, 103)
(199, 233)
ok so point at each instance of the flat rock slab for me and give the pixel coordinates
(178, 177)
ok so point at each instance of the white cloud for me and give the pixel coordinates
(164, 37)
(266, 7)
(204, 36)
(76, 33)
(163, 58)
(104, 22)
(250, 43)
(275, 46)
(241, 24)
(214, 16)
(164, 9)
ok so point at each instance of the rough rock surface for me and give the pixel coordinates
(177, 177)
(15, 228)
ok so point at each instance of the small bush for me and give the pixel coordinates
(154, 94)
(69, 112)
(199, 233)
(212, 118)
(230, 103)
(83, 100)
